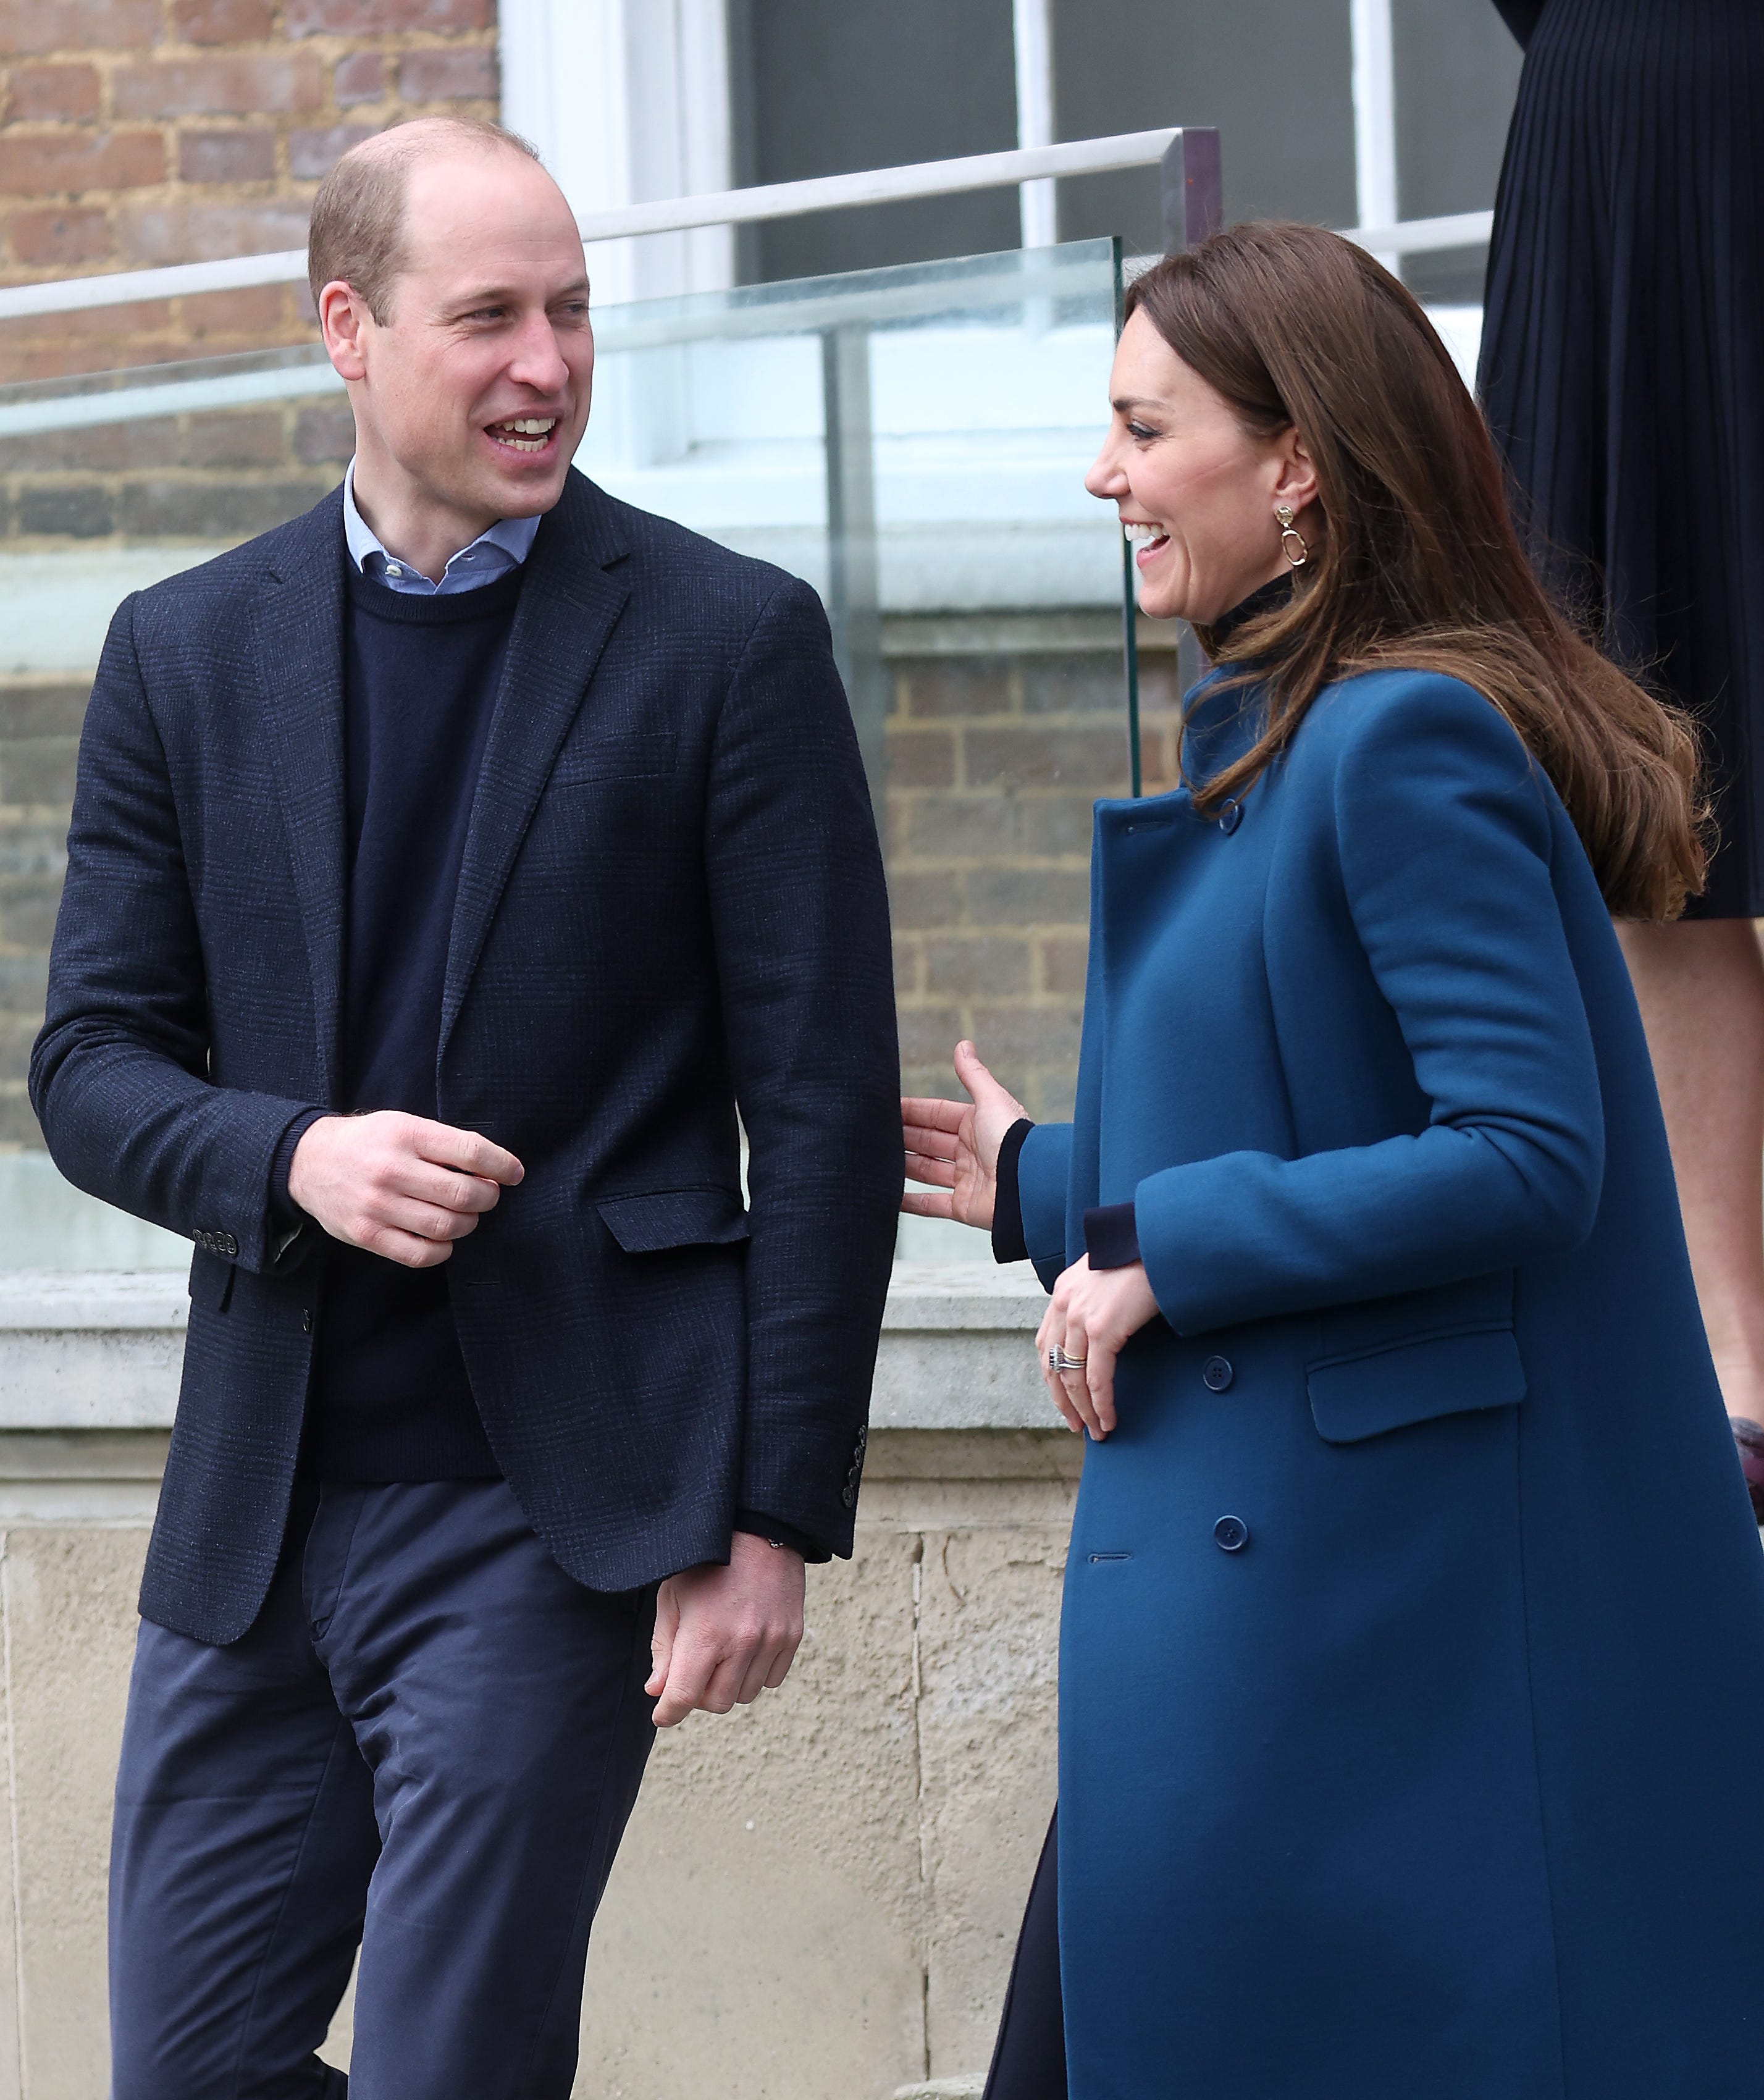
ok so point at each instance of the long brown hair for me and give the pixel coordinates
(1417, 565)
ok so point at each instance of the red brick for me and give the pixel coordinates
(43, 163)
(312, 153)
(196, 233)
(139, 318)
(223, 21)
(238, 85)
(441, 75)
(49, 91)
(76, 233)
(227, 157)
(63, 25)
(359, 78)
(250, 310)
(377, 18)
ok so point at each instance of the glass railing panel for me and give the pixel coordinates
(911, 441)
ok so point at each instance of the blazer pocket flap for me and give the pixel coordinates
(674, 1218)
(1353, 1397)
(211, 1280)
(618, 755)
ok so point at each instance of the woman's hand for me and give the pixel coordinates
(1092, 1313)
(955, 1148)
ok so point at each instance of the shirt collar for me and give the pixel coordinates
(512, 537)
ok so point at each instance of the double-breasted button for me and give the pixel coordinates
(1216, 1373)
(1231, 1534)
(1230, 816)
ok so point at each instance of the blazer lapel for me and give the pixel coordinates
(569, 606)
(298, 637)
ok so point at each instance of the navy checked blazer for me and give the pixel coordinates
(671, 902)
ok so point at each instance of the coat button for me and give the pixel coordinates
(305, 1319)
(232, 1245)
(1231, 1534)
(849, 1497)
(1217, 1374)
(1230, 816)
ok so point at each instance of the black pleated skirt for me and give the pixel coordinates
(1623, 362)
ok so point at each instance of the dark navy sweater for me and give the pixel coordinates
(390, 1396)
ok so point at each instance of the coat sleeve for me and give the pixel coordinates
(1042, 1168)
(799, 916)
(1445, 838)
(119, 1073)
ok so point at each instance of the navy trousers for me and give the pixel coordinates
(1028, 2060)
(429, 1745)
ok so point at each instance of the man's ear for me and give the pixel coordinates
(343, 321)
(1295, 480)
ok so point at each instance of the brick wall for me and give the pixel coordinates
(995, 753)
(133, 132)
(137, 132)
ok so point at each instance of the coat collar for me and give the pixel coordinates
(571, 600)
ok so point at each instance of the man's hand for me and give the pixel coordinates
(955, 1148)
(723, 1635)
(396, 1184)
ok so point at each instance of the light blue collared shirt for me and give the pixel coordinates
(504, 546)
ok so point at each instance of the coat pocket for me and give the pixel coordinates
(674, 1218)
(1416, 1380)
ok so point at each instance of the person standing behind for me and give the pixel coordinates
(445, 867)
(1622, 349)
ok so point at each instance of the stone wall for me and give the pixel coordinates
(137, 132)
(818, 1895)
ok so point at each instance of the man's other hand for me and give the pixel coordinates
(397, 1185)
(723, 1635)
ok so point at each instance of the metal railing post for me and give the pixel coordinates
(1194, 207)
(1193, 191)
(853, 595)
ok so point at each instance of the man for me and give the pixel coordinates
(445, 867)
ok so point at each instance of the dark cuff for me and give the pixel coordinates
(785, 1534)
(1008, 1241)
(282, 1207)
(1112, 1235)
(288, 1221)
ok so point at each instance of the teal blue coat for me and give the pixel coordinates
(1439, 1774)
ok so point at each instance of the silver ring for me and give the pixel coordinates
(1059, 1361)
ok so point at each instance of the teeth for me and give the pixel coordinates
(1142, 533)
(530, 426)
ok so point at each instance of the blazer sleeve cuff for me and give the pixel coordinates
(758, 1525)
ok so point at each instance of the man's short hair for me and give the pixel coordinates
(357, 229)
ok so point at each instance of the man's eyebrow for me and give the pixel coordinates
(503, 295)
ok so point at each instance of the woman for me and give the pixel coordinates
(1412, 1666)
(1621, 360)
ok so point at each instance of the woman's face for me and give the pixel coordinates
(1194, 489)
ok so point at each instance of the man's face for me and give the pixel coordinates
(475, 386)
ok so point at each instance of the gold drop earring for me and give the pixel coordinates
(1290, 537)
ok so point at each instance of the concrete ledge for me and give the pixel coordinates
(104, 1351)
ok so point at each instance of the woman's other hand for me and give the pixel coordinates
(955, 1148)
(1092, 1313)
